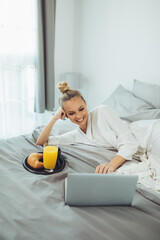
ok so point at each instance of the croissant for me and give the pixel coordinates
(33, 160)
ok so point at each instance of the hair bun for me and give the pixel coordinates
(63, 87)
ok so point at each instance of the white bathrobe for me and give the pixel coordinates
(104, 128)
(140, 139)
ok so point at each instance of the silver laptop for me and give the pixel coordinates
(89, 189)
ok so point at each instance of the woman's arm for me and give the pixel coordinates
(110, 167)
(43, 138)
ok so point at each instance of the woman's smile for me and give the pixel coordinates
(80, 120)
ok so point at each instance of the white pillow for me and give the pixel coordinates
(63, 126)
(148, 92)
(60, 127)
(130, 108)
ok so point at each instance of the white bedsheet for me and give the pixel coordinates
(147, 170)
(147, 133)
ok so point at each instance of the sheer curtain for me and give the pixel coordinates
(27, 30)
(17, 66)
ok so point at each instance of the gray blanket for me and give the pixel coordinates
(32, 206)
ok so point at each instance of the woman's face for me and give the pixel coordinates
(76, 111)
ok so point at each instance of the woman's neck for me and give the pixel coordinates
(84, 128)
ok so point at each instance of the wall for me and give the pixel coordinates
(114, 41)
(64, 33)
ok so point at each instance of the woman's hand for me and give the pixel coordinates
(44, 136)
(60, 114)
(104, 168)
(110, 167)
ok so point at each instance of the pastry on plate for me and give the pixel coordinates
(34, 160)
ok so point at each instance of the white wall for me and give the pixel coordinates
(63, 41)
(114, 41)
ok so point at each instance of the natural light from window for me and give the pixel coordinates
(18, 34)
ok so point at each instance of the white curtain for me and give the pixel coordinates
(17, 66)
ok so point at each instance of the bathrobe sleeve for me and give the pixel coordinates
(65, 138)
(127, 145)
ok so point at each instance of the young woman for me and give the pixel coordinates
(101, 126)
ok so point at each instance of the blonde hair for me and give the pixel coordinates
(67, 93)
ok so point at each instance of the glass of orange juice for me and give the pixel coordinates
(50, 155)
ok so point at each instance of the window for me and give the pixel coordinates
(17, 66)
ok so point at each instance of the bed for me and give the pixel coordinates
(32, 205)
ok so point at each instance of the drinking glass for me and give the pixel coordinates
(50, 155)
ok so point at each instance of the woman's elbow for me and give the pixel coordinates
(39, 143)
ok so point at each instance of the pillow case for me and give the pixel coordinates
(129, 107)
(60, 127)
(148, 92)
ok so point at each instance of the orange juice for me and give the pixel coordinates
(50, 154)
